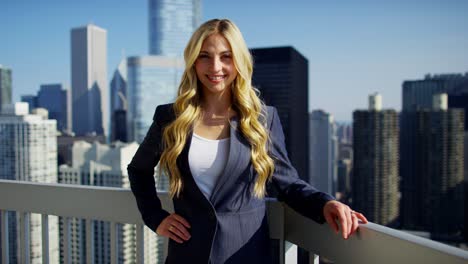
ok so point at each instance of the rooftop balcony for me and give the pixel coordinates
(372, 244)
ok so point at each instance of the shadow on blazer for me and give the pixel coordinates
(230, 226)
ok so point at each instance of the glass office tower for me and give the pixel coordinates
(152, 81)
(171, 23)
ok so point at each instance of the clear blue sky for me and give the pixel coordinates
(354, 48)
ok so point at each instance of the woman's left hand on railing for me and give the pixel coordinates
(338, 213)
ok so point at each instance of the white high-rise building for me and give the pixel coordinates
(323, 151)
(90, 95)
(99, 165)
(28, 152)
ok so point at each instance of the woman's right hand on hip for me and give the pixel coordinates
(174, 227)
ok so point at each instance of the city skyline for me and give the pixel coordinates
(354, 48)
(331, 87)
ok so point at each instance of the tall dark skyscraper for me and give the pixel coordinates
(375, 170)
(418, 95)
(281, 76)
(119, 104)
(31, 100)
(460, 101)
(5, 86)
(58, 102)
(439, 162)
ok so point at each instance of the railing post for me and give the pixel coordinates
(140, 244)
(275, 215)
(89, 241)
(66, 240)
(282, 251)
(24, 238)
(4, 240)
(313, 259)
(304, 256)
(45, 238)
(113, 242)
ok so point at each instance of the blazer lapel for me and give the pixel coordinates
(238, 161)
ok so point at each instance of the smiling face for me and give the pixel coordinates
(215, 65)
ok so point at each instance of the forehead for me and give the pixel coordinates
(215, 43)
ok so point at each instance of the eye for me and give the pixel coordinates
(226, 56)
(203, 56)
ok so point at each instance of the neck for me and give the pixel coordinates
(217, 104)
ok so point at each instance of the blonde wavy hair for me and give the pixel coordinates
(245, 102)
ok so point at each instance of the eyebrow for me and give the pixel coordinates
(222, 53)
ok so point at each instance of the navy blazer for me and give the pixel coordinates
(231, 226)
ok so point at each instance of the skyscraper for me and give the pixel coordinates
(281, 76)
(31, 100)
(119, 103)
(323, 152)
(56, 100)
(375, 170)
(171, 23)
(5, 86)
(152, 80)
(440, 162)
(343, 188)
(344, 132)
(418, 95)
(28, 152)
(460, 101)
(90, 109)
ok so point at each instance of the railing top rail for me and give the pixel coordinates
(81, 201)
(373, 243)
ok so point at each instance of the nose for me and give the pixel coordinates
(216, 64)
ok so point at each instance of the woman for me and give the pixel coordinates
(222, 148)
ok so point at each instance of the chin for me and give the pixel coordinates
(216, 89)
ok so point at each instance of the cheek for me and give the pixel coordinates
(234, 74)
(232, 69)
(198, 70)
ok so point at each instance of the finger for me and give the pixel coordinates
(331, 222)
(355, 224)
(179, 227)
(344, 225)
(181, 219)
(175, 238)
(362, 218)
(349, 221)
(177, 232)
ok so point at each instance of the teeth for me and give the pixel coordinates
(216, 78)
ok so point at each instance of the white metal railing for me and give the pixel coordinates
(372, 244)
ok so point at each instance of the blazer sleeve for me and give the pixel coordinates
(296, 193)
(141, 174)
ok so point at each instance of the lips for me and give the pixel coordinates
(216, 78)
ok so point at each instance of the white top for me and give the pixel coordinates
(207, 159)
